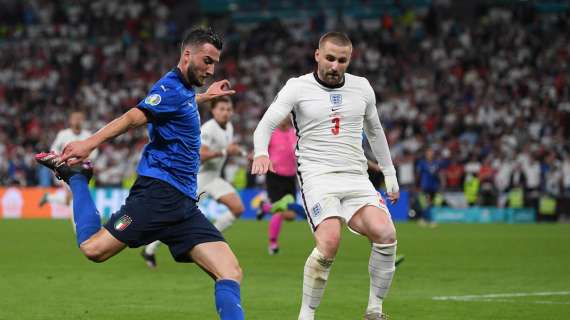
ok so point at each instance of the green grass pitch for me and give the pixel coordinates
(43, 275)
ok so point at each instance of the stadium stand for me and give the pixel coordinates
(489, 94)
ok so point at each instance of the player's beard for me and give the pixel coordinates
(193, 78)
(334, 77)
(331, 77)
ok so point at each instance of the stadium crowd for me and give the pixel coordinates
(486, 98)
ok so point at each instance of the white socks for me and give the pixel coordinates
(224, 221)
(316, 273)
(381, 268)
(150, 248)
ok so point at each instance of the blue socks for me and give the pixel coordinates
(228, 300)
(87, 220)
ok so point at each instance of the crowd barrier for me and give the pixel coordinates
(483, 215)
(24, 203)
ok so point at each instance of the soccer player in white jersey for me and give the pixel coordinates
(217, 145)
(75, 132)
(330, 110)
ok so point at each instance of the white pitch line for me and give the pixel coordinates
(514, 301)
(501, 295)
(551, 302)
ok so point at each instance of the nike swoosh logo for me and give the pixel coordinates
(335, 109)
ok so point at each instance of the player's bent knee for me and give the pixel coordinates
(238, 210)
(328, 246)
(384, 234)
(93, 253)
(289, 215)
(233, 273)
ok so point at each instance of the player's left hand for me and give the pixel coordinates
(219, 89)
(392, 188)
(75, 152)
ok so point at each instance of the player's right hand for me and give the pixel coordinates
(261, 165)
(392, 188)
(75, 152)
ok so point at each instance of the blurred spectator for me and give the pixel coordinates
(492, 87)
(429, 169)
(566, 174)
(486, 177)
(454, 174)
(405, 169)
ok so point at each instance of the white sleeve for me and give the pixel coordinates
(231, 132)
(207, 135)
(57, 143)
(376, 136)
(277, 112)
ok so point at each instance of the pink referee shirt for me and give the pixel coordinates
(282, 152)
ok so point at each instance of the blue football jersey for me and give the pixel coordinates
(173, 152)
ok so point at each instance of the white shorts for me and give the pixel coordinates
(338, 195)
(215, 188)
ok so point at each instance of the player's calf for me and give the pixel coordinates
(217, 259)
(381, 268)
(315, 276)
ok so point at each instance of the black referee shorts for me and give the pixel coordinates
(278, 186)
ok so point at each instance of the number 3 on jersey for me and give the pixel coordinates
(336, 129)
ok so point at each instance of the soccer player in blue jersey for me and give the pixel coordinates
(162, 203)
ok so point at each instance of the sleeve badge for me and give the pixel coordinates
(153, 99)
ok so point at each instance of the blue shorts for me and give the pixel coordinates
(155, 210)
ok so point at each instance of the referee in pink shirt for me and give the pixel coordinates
(281, 183)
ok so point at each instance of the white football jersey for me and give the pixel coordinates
(66, 136)
(329, 122)
(217, 139)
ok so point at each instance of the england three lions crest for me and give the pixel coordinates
(336, 99)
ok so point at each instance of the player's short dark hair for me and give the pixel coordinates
(336, 37)
(217, 100)
(199, 36)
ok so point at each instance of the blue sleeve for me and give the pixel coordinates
(162, 102)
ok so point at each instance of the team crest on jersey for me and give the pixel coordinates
(123, 223)
(316, 210)
(153, 99)
(336, 99)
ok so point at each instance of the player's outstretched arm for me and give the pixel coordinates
(215, 90)
(77, 151)
(277, 112)
(206, 153)
(379, 145)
